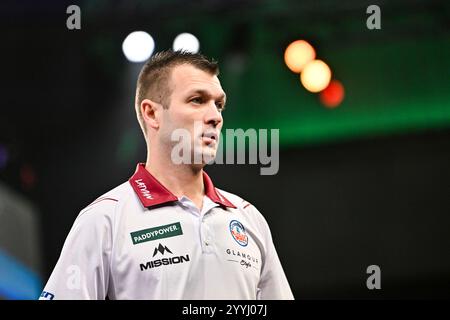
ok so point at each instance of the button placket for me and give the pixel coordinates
(207, 237)
(206, 240)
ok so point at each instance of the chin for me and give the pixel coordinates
(208, 159)
(205, 157)
(209, 153)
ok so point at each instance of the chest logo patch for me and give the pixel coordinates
(238, 233)
(161, 232)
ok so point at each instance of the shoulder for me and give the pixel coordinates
(244, 206)
(106, 205)
(236, 200)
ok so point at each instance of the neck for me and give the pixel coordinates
(180, 179)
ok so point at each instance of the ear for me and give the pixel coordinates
(150, 113)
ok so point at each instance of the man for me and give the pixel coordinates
(168, 233)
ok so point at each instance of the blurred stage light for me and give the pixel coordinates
(138, 46)
(186, 42)
(333, 95)
(3, 156)
(298, 54)
(316, 76)
(27, 176)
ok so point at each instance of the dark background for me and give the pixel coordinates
(350, 192)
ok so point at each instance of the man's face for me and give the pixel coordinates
(196, 103)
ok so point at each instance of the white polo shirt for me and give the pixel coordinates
(139, 241)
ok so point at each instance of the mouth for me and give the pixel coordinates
(210, 137)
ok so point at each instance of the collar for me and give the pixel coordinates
(151, 192)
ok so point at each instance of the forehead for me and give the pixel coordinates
(186, 78)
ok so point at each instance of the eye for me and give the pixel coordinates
(197, 100)
(220, 106)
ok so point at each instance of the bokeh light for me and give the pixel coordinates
(4, 156)
(186, 42)
(138, 46)
(298, 54)
(315, 76)
(333, 95)
(28, 176)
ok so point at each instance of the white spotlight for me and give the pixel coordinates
(138, 46)
(186, 42)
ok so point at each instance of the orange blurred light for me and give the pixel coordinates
(316, 76)
(333, 95)
(298, 54)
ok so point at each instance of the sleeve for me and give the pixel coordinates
(82, 270)
(273, 284)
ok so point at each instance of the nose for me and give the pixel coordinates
(213, 116)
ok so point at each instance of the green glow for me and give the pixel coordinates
(390, 88)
